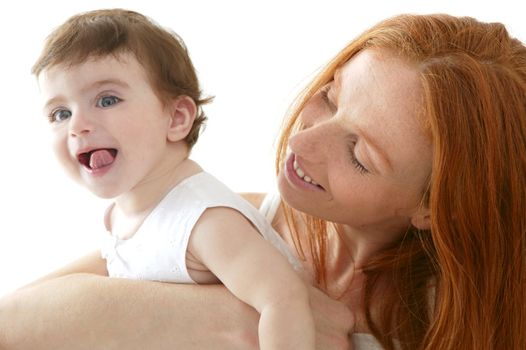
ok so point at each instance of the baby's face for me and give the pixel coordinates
(109, 127)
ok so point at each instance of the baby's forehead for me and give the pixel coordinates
(76, 61)
(98, 65)
(69, 78)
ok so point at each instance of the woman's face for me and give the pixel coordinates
(362, 158)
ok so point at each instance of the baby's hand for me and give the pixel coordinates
(333, 320)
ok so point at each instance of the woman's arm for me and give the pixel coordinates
(76, 307)
(84, 311)
(92, 312)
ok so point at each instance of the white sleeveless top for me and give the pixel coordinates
(157, 251)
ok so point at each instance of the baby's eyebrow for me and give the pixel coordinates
(99, 83)
(95, 85)
(52, 101)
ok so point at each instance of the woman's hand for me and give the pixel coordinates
(334, 322)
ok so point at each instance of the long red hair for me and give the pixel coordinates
(462, 284)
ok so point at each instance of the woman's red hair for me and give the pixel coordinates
(462, 284)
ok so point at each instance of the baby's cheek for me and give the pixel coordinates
(63, 156)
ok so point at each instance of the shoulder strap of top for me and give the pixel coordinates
(270, 205)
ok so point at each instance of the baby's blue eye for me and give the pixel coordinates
(107, 101)
(59, 115)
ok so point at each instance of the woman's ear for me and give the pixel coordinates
(421, 219)
(182, 111)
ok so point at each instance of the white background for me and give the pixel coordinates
(254, 56)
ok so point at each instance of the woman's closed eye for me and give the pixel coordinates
(356, 163)
(324, 93)
(107, 101)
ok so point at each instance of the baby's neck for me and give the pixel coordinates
(129, 210)
(147, 194)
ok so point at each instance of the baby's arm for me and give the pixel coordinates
(258, 274)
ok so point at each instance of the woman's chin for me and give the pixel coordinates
(293, 198)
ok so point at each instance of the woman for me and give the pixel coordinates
(403, 175)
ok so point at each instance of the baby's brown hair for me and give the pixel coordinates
(162, 53)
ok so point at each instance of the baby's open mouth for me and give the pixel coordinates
(97, 158)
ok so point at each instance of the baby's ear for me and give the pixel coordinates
(182, 115)
(421, 219)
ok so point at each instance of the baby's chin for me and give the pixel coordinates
(104, 195)
(102, 192)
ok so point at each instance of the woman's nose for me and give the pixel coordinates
(315, 142)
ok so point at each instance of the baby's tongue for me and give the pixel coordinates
(100, 159)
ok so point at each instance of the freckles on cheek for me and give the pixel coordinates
(350, 188)
(348, 195)
(343, 189)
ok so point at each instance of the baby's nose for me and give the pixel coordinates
(80, 123)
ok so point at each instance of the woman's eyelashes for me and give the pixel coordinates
(324, 93)
(356, 163)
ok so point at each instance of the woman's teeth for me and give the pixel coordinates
(302, 175)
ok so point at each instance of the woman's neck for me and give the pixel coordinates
(362, 245)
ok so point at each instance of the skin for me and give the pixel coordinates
(117, 310)
(363, 144)
(130, 314)
(115, 137)
(374, 92)
(106, 104)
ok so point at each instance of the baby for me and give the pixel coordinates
(124, 105)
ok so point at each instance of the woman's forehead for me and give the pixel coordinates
(381, 94)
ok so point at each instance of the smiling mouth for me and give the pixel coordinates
(301, 174)
(97, 158)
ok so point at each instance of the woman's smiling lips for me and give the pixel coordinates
(297, 176)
